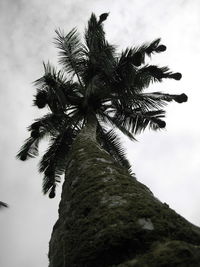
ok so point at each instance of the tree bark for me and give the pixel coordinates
(108, 218)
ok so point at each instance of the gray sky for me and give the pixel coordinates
(166, 161)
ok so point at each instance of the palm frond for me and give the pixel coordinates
(56, 81)
(50, 124)
(136, 121)
(145, 102)
(125, 70)
(29, 149)
(100, 54)
(97, 92)
(51, 77)
(71, 54)
(54, 89)
(94, 35)
(127, 74)
(151, 119)
(151, 48)
(47, 125)
(111, 143)
(162, 97)
(53, 162)
(114, 121)
(152, 73)
(149, 74)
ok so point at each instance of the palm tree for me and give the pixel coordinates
(106, 217)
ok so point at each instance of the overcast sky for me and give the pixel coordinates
(167, 161)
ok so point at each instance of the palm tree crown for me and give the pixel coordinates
(95, 84)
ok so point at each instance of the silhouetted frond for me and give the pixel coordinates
(114, 121)
(157, 97)
(151, 48)
(136, 121)
(94, 35)
(148, 74)
(50, 124)
(54, 89)
(100, 54)
(51, 77)
(71, 51)
(125, 69)
(111, 143)
(29, 149)
(53, 162)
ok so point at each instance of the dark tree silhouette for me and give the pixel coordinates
(106, 217)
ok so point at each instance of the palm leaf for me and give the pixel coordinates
(163, 98)
(149, 74)
(50, 124)
(136, 121)
(100, 54)
(114, 121)
(94, 35)
(71, 52)
(29, 149)
(60, 92)
(125, 70)
(53, 162)
(151, 48)
(145, 102)
(111, 143)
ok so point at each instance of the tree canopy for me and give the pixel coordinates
(95, 82)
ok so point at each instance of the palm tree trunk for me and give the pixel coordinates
(108, 218)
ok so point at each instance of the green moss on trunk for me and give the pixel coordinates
(107, 218)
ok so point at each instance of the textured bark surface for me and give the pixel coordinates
(108, 218)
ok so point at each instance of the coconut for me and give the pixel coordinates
(161, 123)
(176, 76)
(160, 48)
(35, 134)
(40, 103)
(35, 126)
(181, 98)
(50, 80)
(23, 157)
(41, 99)
(103, 17)
(52, 192)
(137, 59)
